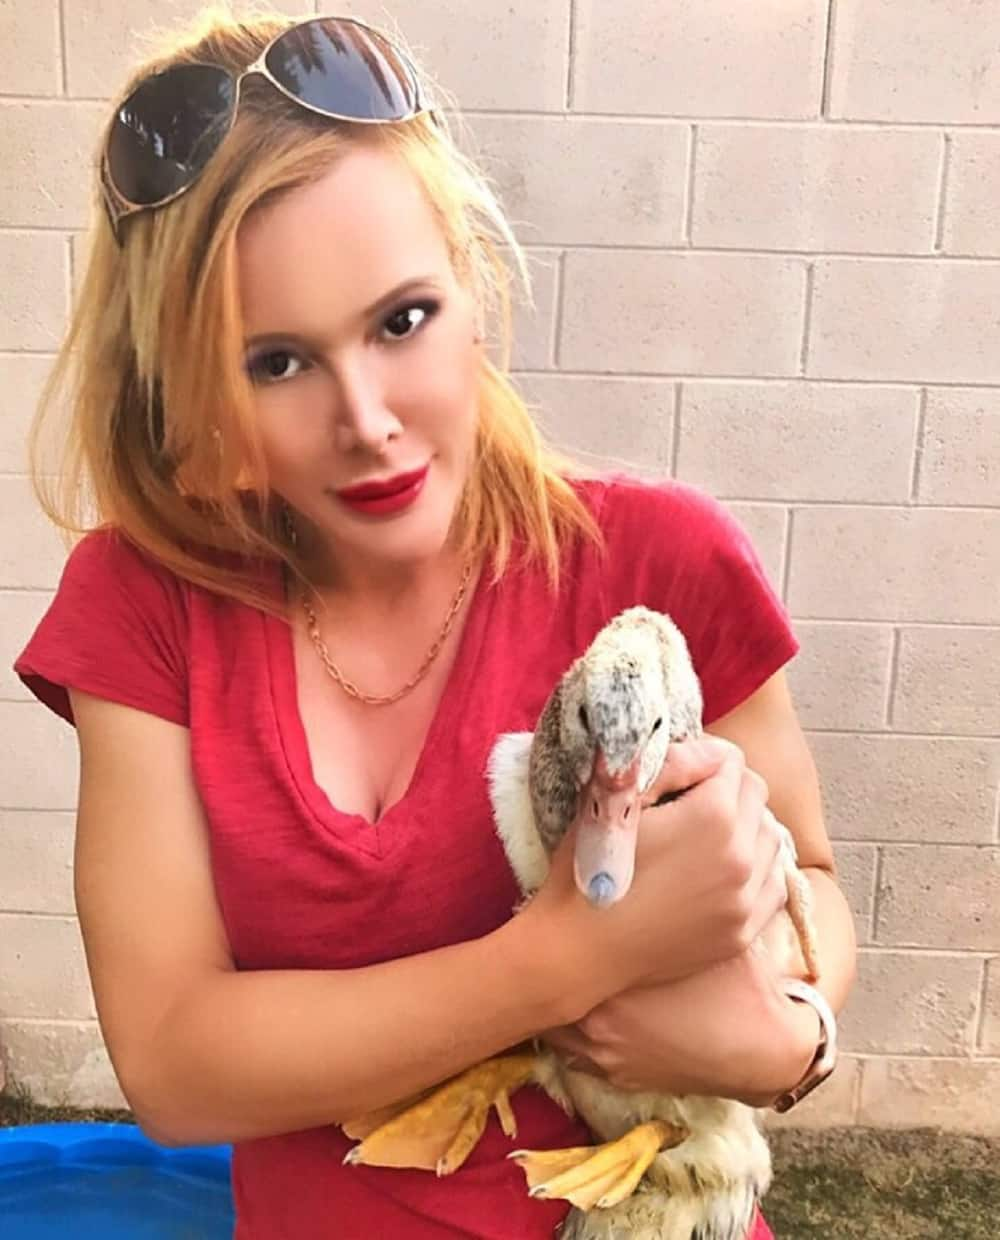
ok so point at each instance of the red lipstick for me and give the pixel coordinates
(385, 495)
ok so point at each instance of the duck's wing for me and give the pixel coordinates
(514, 818)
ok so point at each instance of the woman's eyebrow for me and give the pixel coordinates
(387, 298)
(381, 303)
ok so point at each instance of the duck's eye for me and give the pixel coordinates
(656, 725)
(584, 721)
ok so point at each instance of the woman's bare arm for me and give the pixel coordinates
(207, 1053)
(767, 729)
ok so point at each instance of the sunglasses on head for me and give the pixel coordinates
(164, 134)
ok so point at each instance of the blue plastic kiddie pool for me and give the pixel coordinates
(110, 1182)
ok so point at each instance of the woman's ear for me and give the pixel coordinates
(472, 284)
(479, 321)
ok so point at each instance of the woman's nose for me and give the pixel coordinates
(361, 417)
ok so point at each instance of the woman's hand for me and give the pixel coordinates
(727, 1031)
(705, 883)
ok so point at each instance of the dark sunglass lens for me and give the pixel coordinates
(343, 68)
(167, 130)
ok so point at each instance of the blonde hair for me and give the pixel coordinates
(173, 460)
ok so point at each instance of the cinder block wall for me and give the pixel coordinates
(765, 245)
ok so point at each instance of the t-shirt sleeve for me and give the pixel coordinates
(675, 549)
(116, 628)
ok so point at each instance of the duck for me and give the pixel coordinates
(669, 1168)
(665, 1167)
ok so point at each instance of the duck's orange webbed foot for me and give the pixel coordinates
(439, 1129)
(602, 1175)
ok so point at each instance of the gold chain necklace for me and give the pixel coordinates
(372, 699)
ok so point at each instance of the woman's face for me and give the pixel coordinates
(349, 395)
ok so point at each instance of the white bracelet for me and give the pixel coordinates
(825, 1059)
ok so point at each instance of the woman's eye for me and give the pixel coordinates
(273, 367)
(277, 365)
(401, 317)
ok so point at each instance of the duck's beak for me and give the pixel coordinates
(604, 861)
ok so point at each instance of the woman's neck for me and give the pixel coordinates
(384, 588)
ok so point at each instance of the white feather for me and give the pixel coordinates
(507, 770)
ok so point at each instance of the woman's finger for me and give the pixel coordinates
(767, 842)
(768, 888)
(688, 763)
(771, 899)
(573, 1047)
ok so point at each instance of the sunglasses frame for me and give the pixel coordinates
(119, 208)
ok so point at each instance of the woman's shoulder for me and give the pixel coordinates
(107, 560)
(117, 626)
(674, 548)
(621, 489)
(645, 509)
(107, 554)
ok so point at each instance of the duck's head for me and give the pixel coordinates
(622, 703)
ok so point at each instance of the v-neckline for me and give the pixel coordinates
(383, 836)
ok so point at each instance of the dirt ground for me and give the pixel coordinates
(842, 1184)
(866, 1184)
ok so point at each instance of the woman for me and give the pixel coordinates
(333, 561)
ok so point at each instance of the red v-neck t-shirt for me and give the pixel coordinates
(302, 885)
